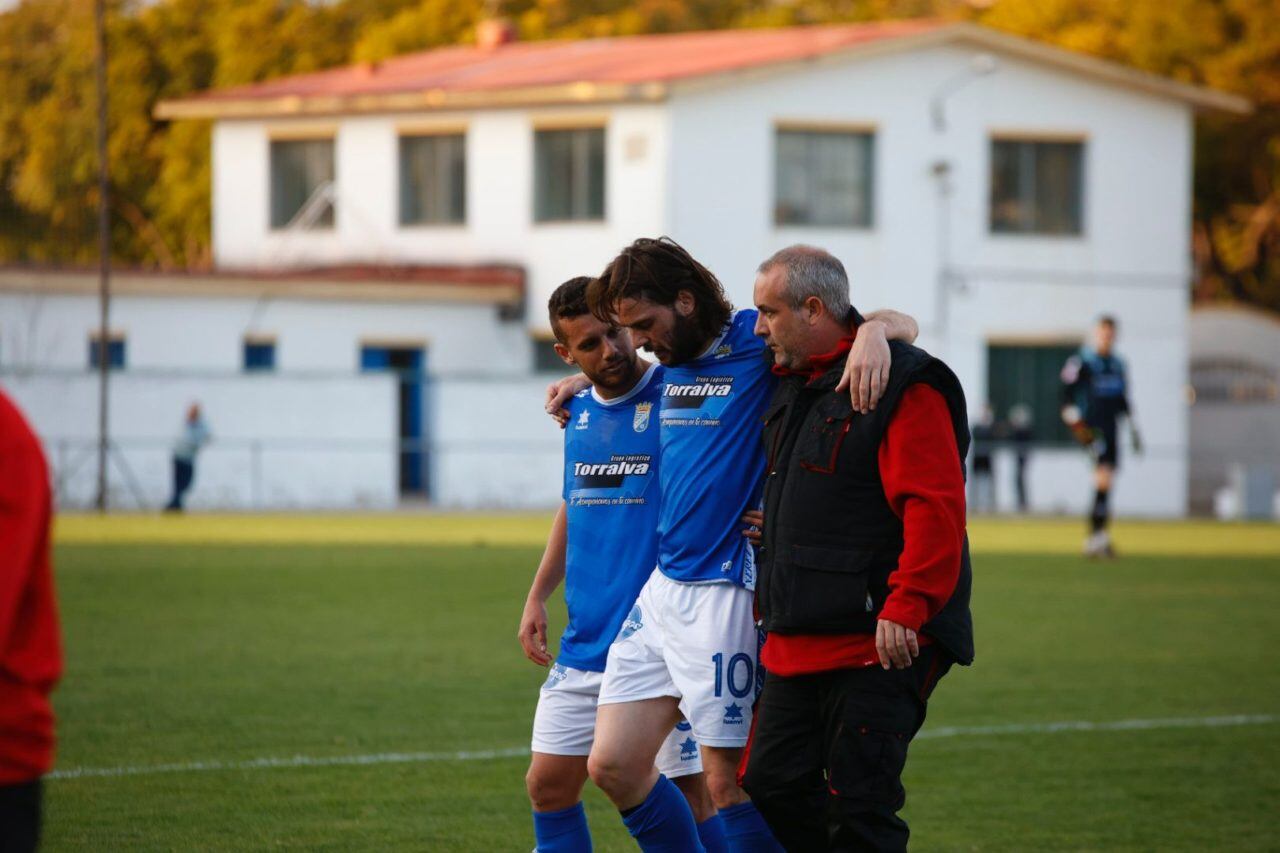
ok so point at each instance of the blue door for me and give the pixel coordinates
(410, 364)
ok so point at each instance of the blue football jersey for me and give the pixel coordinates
(611, 498)
(1097, 384)
(712, 462)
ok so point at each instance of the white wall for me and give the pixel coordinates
(495, 446)
(314, 433)
(1138, 172)
(269, 433)
(1132, 260)
(52, 331)
(295, 441)
(499, 226)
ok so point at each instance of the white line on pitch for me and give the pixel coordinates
(293, 761)
(517, 751)
(1108, 726)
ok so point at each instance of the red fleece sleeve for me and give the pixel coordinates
(30, 649)
(21, 513)
(924, 483)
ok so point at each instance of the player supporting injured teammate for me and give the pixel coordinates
(603, 545)
(1095, 394)
(690, 645)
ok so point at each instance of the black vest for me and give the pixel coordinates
(830, 539)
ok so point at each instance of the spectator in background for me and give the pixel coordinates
(194, 436)
(1021, 434)
(982, 487)
(30, 648)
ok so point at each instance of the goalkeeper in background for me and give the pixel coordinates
(1095, 394)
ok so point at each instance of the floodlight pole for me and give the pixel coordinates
(104, 249)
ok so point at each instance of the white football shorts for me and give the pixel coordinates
(696, 642)
(565, 723)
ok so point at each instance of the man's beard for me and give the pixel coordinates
(687, 340)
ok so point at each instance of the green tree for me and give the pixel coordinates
(430, 23)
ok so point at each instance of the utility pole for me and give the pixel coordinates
(947, 280)
(104, 250)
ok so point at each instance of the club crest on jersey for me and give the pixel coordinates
(583, 419)
(640, 422)
(723, 350)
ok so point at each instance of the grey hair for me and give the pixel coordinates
(812, 272)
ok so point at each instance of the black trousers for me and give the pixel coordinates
(20, 817)
(825, 761)
(184, 472)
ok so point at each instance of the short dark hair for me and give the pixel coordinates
(568, 300)
(812, 272)
(657, 270)
(1108, 320)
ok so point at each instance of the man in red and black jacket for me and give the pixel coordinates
(30, 649)
(864, 574)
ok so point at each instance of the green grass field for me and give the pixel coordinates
(212, 643)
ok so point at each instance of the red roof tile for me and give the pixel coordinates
(623, 68)
(623, 60)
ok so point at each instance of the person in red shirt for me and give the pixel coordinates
(30, 648)
(864, 578)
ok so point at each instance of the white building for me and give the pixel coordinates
(1001, 191)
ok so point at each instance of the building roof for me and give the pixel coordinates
(498, 285)
(628, 68)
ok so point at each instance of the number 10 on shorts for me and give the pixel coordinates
(739, 672)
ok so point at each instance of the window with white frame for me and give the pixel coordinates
(569, 173)
(1037, 187)
(433, 179)
(302, 183)
(824, 177)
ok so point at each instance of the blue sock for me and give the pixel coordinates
(564, 831)
(711, 833)
(663, 823)
(746, 831)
